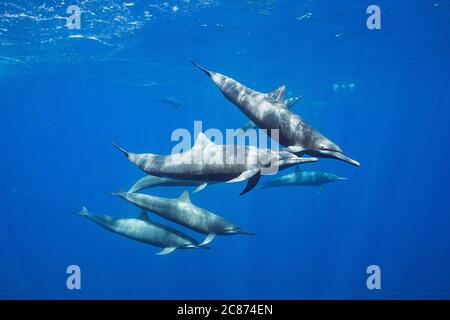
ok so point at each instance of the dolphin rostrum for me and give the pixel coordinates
(268, 111)
(288, 103)
(183, 212)
(303, 178)
(207, 161)
(144, 230)
(148, 182)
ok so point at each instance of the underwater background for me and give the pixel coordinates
(382, 95)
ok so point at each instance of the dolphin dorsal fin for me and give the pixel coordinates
(278, 93)
(144, 216)
(185, 197)
(202, 141)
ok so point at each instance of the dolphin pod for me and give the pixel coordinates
(268, 111)
(198, 164)
(207, 163)
(144, 230)
(183, 212)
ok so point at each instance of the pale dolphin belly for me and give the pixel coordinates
(139, 230)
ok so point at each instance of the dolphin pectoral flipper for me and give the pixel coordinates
(320, 190)
(252, 182)
(210, 237)
(166, 251)
(244, 176)
(200, 187)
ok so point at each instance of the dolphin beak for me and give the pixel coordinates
(121, 150)
(343, 157)
(208, 73)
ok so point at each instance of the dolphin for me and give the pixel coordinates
(288, 103)
(268, 111)
(144, 230)
(303, 178)
(207, 161)
(148, 182)
(171, 101)
(183, 212)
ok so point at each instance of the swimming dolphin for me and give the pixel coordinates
(303, 178)
(288, 103)
(183, 212)
(148, 182)
(267, 111)
(171, 101)
(144, 230)
(207, 161)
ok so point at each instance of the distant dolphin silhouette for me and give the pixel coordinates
(183, 212)
(267, 111)
(171, 101)
(144, 230)
(303, 178)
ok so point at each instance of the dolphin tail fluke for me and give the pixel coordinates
(84, 212)
(134, 188)
(121, 149)
(289, 103)
(208, 73)
(119, 193)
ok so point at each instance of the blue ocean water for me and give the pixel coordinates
(382, 95)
